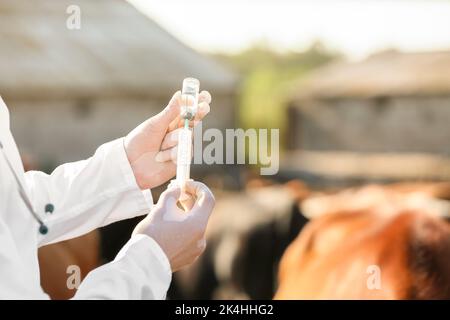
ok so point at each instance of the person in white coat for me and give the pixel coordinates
(37, 209)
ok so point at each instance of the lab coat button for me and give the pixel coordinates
(43, 229)
(49, 208)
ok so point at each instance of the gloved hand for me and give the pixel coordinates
(180, 234)
(151, 147)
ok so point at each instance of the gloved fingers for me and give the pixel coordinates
(170, 112)
(175, 123)
(171, 154)
(204, 96)
(187, 200)
(200, 190)
(170, 140)
(204, 99)
(167, 155)
(205, 201)
(169, 198)
(203, 110)
(179, 123)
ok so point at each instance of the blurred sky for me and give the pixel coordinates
(356, 28)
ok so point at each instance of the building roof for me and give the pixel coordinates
(117, 51)
(385, 74)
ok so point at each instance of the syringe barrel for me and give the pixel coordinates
(189, 98)
(184, 155)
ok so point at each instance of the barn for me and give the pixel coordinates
(70, 90)
(385, 118)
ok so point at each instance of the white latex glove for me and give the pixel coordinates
(151, 147)
(180, 234)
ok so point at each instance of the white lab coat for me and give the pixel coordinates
(86, 195)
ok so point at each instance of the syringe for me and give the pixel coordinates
(189, 99)
(184, 154)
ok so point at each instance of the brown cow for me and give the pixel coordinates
(396, 232)
(55, 259)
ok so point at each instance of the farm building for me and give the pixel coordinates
(385, 118)
(71, 90)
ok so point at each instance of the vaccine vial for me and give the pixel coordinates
(189, 98)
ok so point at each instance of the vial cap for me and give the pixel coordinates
(191, 86)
